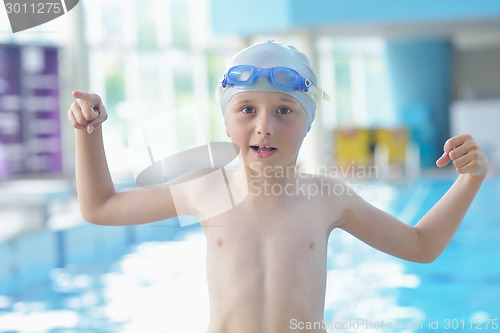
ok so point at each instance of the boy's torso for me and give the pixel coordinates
(266, 263)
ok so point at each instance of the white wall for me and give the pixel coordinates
(481, 119)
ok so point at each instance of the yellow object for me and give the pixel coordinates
(395, 140)
(352, 146)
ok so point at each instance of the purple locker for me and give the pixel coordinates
(11, 127)
(30, 135)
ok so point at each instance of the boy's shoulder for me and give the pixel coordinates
(202, 193)
(327, 195)
(194, 177)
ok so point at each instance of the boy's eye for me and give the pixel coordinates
(283, 110)
(248, 109)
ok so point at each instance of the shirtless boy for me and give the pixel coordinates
(266, 259)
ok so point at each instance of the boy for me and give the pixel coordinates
(266, 259)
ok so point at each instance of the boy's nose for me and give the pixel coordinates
(264, 125)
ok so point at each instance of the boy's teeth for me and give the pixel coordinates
(264, 148)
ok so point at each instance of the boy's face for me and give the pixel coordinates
(269, 127)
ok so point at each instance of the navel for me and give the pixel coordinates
(312, 245)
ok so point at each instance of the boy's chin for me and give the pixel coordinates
(269, 167)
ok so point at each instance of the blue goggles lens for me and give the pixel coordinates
(280, 77)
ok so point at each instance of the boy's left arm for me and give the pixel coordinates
(429, 237)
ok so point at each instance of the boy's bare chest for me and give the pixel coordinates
(286, 247)
(267, 226)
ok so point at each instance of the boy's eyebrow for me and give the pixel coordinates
(244, 101)
(281, 98)
(286, 98)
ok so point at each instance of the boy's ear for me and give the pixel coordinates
(227, 133)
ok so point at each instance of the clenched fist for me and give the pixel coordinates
(87, 111)
(466, 155)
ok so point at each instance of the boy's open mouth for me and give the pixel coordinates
(261, 149)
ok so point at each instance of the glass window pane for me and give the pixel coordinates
(114, 81)
(149, 80)
(181, 24)
(147, 13)
(215, 66)
(111, 20)
(343, 89)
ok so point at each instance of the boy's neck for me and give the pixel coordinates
(268, 183)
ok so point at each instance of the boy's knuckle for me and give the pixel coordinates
(96, 97)
(88, 116)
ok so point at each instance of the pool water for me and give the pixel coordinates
(149, 284)
(461, 288)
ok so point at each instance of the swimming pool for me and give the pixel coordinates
(151, 278)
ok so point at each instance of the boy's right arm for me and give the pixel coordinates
(99, 202)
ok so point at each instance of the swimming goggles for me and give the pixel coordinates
(282, 78)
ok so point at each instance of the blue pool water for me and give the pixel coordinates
(151, 278)
(461, 288)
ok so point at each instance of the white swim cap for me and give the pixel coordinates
(268, 55)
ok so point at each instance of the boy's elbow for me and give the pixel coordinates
(420, 257)
(425, 252)
(426, 255)
(93, 216)
(98, 212)
(426, 259)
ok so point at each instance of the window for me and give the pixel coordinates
(153, 57)
(353, 72)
